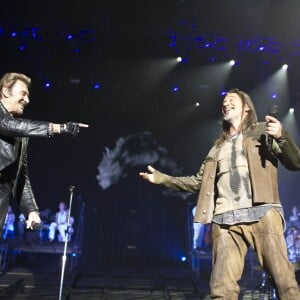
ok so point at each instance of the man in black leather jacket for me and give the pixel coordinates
(14, 133)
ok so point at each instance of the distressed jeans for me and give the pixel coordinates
(230, 245)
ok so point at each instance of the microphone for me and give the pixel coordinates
(273, 113)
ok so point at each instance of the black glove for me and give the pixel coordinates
(69, 128)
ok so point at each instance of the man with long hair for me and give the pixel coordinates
(14, 133)
(238, 194)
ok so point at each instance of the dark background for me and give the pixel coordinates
(127, 46)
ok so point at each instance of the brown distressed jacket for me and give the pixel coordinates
(262, 168)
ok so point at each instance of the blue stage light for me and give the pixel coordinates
(13, 34)
(183, 258)
(47, 84)
(223, 93)
(74, 254)
(184, 60)
(175, 89)
(274, 96)
(262, 48)
(97, 86)
(69, 36)
(22, 47)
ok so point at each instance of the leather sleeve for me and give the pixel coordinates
(288, 152)
(25, 194)
(187, 183)
(10, 126)
(28, 203)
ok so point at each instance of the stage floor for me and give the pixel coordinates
(36, 275)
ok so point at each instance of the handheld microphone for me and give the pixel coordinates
(273, 113)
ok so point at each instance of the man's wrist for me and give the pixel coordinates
(54, 129)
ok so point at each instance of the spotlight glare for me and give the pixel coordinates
(97, 86)
(285, 67)
(13, 34)
(47, 84)
(261, 48)
(291, 110)
(175, 89)
(183, 258)
(197, 104)
(69, 36)
(223, 93)
(179, 59)
(232, 62)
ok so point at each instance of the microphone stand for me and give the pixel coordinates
(64, 257)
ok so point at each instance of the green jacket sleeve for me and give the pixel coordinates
(287, 152)
(186, 183)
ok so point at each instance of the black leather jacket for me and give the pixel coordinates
(14, 133)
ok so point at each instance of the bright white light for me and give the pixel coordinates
(197, 104)
(285, 66)
(291, 110)
(232, 62)
(179, 59)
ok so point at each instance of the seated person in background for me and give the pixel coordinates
(60, 224)
(21, 226)
(9, 227)
(294, 219)
(46, 219)
(293, 235)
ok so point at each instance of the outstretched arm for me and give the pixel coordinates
(10, 126)
(152, 176)
(185, 183)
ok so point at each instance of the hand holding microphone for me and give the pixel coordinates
(273, 126)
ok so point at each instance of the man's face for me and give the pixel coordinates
(232, 108)
(16, 98)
